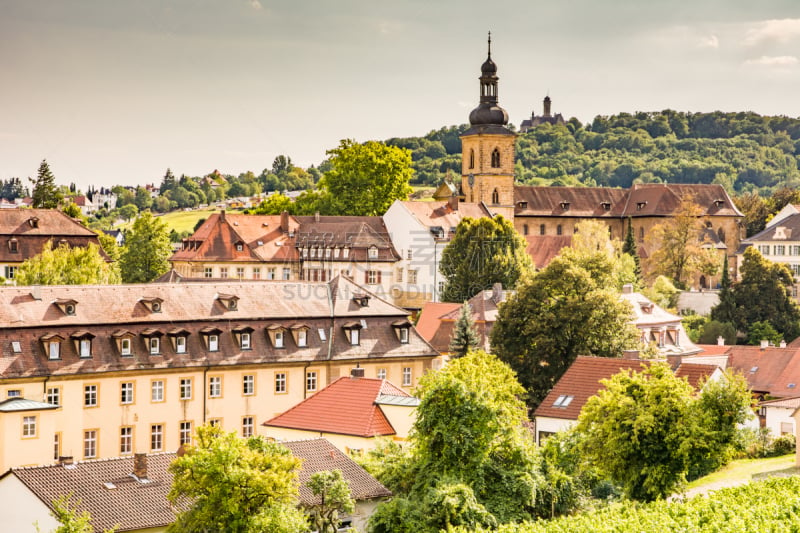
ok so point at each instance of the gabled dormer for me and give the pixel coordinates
(277, 335)
(33, 222)
(154, 305)
(67, 306)
(361, 299)
(229, 301)
(83, 343)
(52, 345)
(124, 341)
(211, 338)
(244, 337)
(178, 337)
(402, 329)
(300, 335)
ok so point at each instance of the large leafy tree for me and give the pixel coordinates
(471, 461)
(647, 431)
(147, 250)
(763, 294)
(484, 251)
(465, 337)
(366, 178)
(45, 192)
(333, 492)
(569, 308)
(236, 485)
(66, 265)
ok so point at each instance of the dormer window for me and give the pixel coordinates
(124, 341)
(719, 202)
(346, 253)
(153, 339)
(336, 253)
(277, 335)
(300, 335)
(67, 306)
(52, 346)
(353, 332)
(361, 299)
(153, 304)
(373, 252)
(178, 339)
(239, 246)
(33, 222)
(83, 343)
(606, 206)
(640, 205)
(401, 329)
(522, 205)
(564, 205)
(244, 337)
(230, 301)
(13, 246)
(211, 338)
(327, 253)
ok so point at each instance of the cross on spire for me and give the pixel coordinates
(490, 44)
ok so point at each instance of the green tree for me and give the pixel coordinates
(167, 183)
(45, 192)
(629, 247)
(109, 245)
(333, 492)
(366, 178)
(147, 250)
(715, 329)
(67, 265)
(236, 485)
(472, 462)
(127, 211)
(763, 331)
(763, 294)
(71, 520)
(725, 310)
(569, 308)
(484, 251)
(465, 337)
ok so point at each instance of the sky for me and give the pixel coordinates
(113, 92)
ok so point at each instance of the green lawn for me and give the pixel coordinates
(182, 221)
(748, 469)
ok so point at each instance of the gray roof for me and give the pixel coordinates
(404, 401)
(22, 404)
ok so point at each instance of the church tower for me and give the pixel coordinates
(487, 149)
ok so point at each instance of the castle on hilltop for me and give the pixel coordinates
(545, 118)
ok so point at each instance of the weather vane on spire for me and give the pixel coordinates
(490, 44)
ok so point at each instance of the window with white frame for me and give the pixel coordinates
(213, 343)
(403, 334)
(185, 436)
(764, 249)
(247, 426)
(779, 249)
(215, 386)
(245, 341)
(53, 396)
(795, 270)
(54, 349)
(406, 376)
(208, 272)
(56, 446)
(157, 391)
(14, 393)
(90, 444)
(412, 275)
(372, 277)
(155, 345)
(279, 338)
(399, 275)
(240, 272)
(280, 382)
(180, 344)
(355, 335)
(125, 347)
(186, 388)
(327, 253)
(256, 272)
(85, 347)
(223, 272)
(372, 253)
(126, 392)
(346, 253)
(311, 381)
(381, 374)
(270, 273)
(336, 253)
(125, 440)
(156, 437)
(287, 273)
(302, 338)
(90, 396)
(248, 385)
(29, 426)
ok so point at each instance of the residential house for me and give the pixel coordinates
(780, 242)
(24, 232)
(419, 232)
(351, 413)
(130, 493)
(85, 204)
(136, 368)
(777, 415)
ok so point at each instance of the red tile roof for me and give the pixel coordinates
(695, 374)
(582, 381)
(769, 370)
(543, 248)
(433, 214)
(345, 407)
(714, 349)
(32, 228)
(430, 318)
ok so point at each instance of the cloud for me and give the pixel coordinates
(712, 41)
(776, 30)
(773, 61)
(255, 4)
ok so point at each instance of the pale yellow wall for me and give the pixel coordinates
(401, 418)
(72, 419)
(196, 269)
(551, 425)
(486, 178)
(21, 509)
(345, 443)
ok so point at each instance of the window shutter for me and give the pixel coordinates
(366, 276)
(379, 276)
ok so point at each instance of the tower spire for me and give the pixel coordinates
(490, 44)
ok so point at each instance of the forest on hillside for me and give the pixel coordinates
(744, 152)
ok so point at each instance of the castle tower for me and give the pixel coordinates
(487, 149)
(546, 107)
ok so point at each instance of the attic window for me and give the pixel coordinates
(373, 252)
(791, 385)
(361, 299)
(230, 301)
(565, 205)
(646, 307)
(52, 345)
(211, 338)
(16, 347)
(244, 336)
(178, 339)
(276, 334)
(754, 370)
(321, 333)
(83, 343)
(640, 205)
(123, 340)
(522, 205)
(300, 335)
(606, 206)
(401, 329)
(719, 202)
(67, 307)
(239, 246)
(563, 401)
(34, 222)
(153, 304)
(353, 332)
(13, 246)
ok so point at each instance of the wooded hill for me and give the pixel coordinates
(742, 151)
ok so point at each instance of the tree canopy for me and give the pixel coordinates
(484, 251)
(45, 192)
(334, 498)
(465, 336)
(236, 485)
(147, 250)
(67, 265)
(569, 308)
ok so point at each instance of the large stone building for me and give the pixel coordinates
(547, 117)
(104, 371)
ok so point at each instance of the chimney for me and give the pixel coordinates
(316, 216)
(452, 202)
(36, 292)
(720, 341)
(764, 344)
(140, 465)
(65, 460)
(357, 372)
(783, 343)
(285, 221)
(630, 354)
(627, 288)
(222, 215)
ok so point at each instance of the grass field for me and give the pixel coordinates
(182, 221)
(744, 470)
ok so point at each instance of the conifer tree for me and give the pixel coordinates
(629, 247)
(725, 310)
(168, 183)
(465, 337)
(45, 192)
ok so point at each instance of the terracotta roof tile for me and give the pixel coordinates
(440, 214)
(770, 370)
(543, 248)
(32, 228)
(345, 407)
(695, 374)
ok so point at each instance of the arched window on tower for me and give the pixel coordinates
(471, 158)
(495, 197)
(496, 158)
(721, 234)
(524, 229)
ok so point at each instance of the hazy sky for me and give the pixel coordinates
(114, 92)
